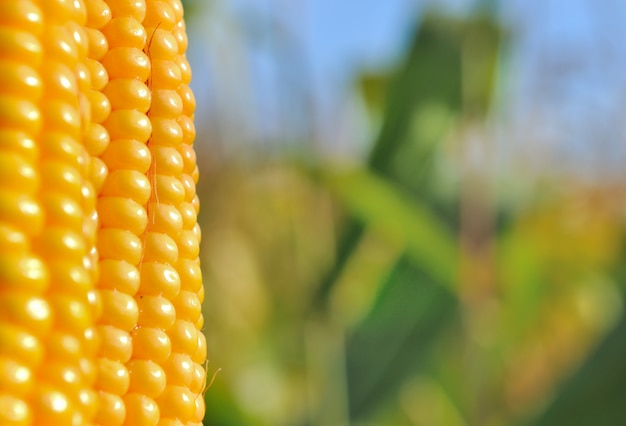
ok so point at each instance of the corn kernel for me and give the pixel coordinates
(146, 377)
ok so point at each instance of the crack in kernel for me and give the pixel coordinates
(151, 173)
(147, 52)
(152, 170)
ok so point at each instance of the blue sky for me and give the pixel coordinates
(566, 69)
(352, 33)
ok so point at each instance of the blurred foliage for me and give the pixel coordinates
(400, 292)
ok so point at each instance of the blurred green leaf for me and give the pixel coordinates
(523, 274)
(221, 407)
(386, 209)
(373, 88)
(422, 101)
(414, 301)
(432, 73)
(397, 338)
(594, 395)
(481, 45)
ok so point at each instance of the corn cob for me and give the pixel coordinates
(94, 108)
(99, 268)
(63, 394)
(168, 240)
(188, 304)
(122, 211)
(119, 311)
(24, 311)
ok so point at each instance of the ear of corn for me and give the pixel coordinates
(63, 392)
(100, 285)
(170, 240)
(126, 192)
(25, 317)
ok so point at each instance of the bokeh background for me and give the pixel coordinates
(413, 211)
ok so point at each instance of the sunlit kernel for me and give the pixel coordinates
(170, 276)
(72, 242)
(68, 116)
(82, 74)
(69, 376)
(33, 115)
(58, 402)
(32, 81)
(90, 333)
(33, 269)
(31, 46)
(125, 339)
(22, 374)
(28, 342)
(38, 308)
(33, 17)
(70, 209)
(29, 209)
(65, 47)
(65, 82)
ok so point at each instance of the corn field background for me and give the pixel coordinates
(431, 238)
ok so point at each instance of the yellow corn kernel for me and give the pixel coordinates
(127, 154)
(120, 245)
(185, 69)
(156, 311)
(160, 248)
(127, 62)
(190, 275)
(128, 124)
(133, 8)
(141, 410)
(179, 369)
(167, 189)
(129, 215)
(127, 183)
(24, 15)
(151, 344)
(21, 45)
(14, 411)
(18, 112)
(165, 219)
(98, 44)
(115, 344)
(176, 403)
(125, 31)
(111, 409)
(120, 276)
(159, 279)
(146, 378)
(99, 75)
(159, 13)
(97, 172)
(165, 74)
(113, 377)
(119, 310)
(188, 306)
(128, 94)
